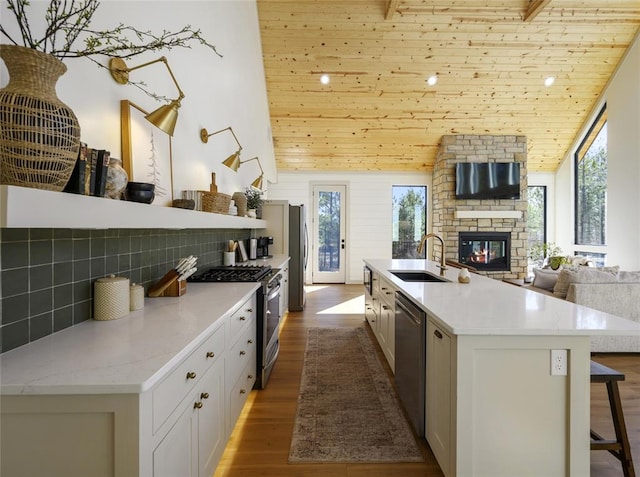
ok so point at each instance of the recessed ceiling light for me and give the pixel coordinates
(432, 80)
(549, 81)
(324, 79)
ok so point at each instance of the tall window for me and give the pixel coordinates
(536, 215)
(409, 220)
(591, 184)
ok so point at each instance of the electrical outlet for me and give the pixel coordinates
(558, 362)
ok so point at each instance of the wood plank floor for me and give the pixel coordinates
(259, 444)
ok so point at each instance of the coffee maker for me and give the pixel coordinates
(262, 249)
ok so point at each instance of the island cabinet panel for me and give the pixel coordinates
(508, 399)
(439, 423)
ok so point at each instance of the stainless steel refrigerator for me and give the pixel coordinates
(298, 251)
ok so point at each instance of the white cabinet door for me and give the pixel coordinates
(174, 455)
(370, 312)
(386, 318)
(438, 394)
(211, 423)
(195, 443)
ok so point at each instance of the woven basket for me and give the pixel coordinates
(39, 134)
(241, 203)
(216, 202)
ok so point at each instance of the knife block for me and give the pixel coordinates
(176, 288)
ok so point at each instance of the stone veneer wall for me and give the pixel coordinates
(474, 148)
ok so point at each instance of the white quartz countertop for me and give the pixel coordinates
(128, 355)
(486, 306)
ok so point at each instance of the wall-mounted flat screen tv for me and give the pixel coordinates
(488, 180)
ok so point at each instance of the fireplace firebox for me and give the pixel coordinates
(489, 251)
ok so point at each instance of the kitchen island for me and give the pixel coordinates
(493, 407)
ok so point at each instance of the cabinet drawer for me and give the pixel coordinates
(240, 392)
(387, 293)
(241, 354)
(174, 387)
(241, 318)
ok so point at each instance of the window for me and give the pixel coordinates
(409, 220)
(591, 185)
(536, 216)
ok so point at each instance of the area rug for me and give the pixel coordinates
(347, 408)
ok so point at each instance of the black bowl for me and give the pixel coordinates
(143, 192)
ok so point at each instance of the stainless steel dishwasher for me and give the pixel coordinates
(410, 370)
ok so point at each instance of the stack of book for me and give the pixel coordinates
(89, 175)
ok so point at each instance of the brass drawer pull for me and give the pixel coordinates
(204, 396)
(249, 341)
(242, 391)
(242, 318)
(197, 405)
(250, 376)
(191, 375)
(242, 353)
(210, 354)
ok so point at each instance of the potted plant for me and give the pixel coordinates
(254, 202)
(546, 253)
(35, 119)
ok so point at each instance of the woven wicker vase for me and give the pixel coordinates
(39, 134)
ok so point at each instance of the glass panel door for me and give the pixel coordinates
(329, 234)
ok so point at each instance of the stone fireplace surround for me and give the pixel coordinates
(451, 216)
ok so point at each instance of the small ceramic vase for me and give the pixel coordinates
(464, 276)
(117, 179)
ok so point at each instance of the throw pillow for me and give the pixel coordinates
(580, 260)
(571, 275)
(545, 278)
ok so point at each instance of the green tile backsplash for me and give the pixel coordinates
(47, 275)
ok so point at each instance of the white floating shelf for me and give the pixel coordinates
(488, 214)
(23, 207)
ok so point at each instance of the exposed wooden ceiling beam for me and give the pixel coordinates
(535, 7)
(391, 9)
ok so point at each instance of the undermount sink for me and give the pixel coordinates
(418, 276)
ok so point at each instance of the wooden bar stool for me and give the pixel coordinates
(620, 446)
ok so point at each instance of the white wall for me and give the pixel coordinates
(623, 161)
(219, 92)
(622, 97)
(369, 208)
(546, 179)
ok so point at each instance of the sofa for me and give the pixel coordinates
(606, 289)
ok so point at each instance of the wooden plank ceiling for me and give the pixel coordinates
(491, 58)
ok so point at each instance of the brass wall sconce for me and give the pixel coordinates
(166, 116)
(257, 183)
(233, 161)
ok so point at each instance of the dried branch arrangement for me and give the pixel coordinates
(68, 23)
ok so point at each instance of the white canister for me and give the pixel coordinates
(136, 297)
(111, 298)
(229, 258)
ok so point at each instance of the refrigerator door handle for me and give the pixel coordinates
(306, 246)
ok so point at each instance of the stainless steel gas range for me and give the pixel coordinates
(268, 313)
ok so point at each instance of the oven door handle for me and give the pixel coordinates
(273, 292)
(274, 358)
